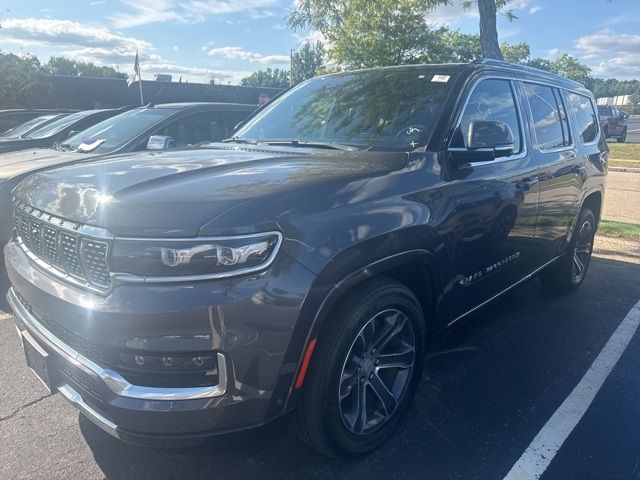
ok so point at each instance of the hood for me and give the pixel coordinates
(14, 164)
(175, 193)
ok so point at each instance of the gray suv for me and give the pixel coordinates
(299, 269)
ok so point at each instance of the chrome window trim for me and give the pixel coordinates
(563, 148)
(113, 380)
(511, 81)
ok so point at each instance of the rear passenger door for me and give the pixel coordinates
(495, 202)
(562, 170)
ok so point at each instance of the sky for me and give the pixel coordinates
(226, 40)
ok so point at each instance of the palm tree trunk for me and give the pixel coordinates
(488, 29)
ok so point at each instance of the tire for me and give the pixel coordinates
(623, 137)
(605, 131)
(342, 366)
(568, 273)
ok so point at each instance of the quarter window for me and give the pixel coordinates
(549, 116)
(586, 117)
(491, 100)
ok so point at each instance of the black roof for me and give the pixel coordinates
(490, 65)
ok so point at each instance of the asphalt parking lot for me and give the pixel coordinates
(488, 389)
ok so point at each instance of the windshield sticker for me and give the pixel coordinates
(441, 78)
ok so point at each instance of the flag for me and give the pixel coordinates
(135, 76)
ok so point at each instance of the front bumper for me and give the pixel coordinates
(251, 331)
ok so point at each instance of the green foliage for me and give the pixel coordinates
(307, 62)
(517, 53)
(74, 68)
(23, 83)
(275, 78)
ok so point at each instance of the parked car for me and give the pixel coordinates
(614, 122)
(177, 124)
(13, 117)
(56, 131)
(29, 126)
(300, 267)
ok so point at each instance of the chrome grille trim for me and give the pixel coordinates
(71, 251)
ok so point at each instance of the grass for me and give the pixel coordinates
(624, 155)
(619, 230)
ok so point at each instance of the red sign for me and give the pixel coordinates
(263, 98)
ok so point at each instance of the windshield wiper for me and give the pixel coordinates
(313, 144)
(240, 140)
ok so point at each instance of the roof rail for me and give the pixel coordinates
(525, 69)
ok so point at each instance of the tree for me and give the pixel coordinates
(363, 33)
(74, 68)
(307, 62)
(566, 65)
(634, 102)
(275, 78)
(23, 84)
(517, 53)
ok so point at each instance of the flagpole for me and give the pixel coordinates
(140, 83)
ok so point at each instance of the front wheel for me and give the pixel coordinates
(568, 273)
(364, 371)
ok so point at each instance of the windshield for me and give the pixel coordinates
(381, 110)
(113, 133)
(26, 127)
(60, 124)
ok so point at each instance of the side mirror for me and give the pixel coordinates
(486, 140)
(160, 142)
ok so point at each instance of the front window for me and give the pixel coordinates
(26, 127)
(388, 109)
(113, 133)
(56, 127)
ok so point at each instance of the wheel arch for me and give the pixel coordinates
(409, 268)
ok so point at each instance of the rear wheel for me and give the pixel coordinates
(623, 137)
(364, 371)
(568, 273)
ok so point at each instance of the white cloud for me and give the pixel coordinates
(142, 12)
(43, 31)
(238, 53)
(553, 54)
(446, 15)
(535, 9)
(610, 54)
(312, 37)
(103, 47)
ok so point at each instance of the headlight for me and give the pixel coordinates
(202, 257)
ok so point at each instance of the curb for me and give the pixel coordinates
(624, 169)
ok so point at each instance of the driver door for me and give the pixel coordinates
(495, 202)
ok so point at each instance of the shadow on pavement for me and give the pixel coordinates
(487, 389)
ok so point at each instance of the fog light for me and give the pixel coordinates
(169, 363)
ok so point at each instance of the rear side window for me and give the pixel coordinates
(491, 100)
(586, 117)
(549, 116)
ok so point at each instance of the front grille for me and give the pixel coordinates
(60, 245)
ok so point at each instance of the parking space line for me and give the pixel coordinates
(544, 447)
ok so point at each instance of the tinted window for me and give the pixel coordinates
(386, 109)
(549, 116)
(491, 100)
(605, 111)
(586, 117)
